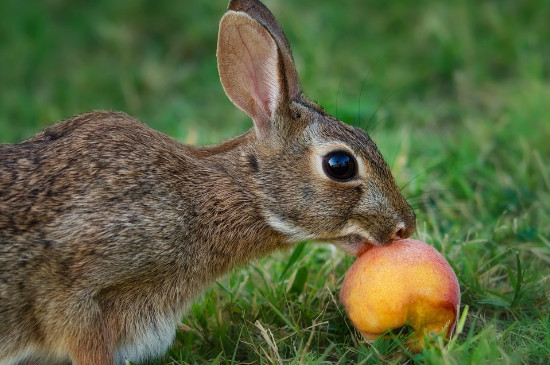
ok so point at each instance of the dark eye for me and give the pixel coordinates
(339, 165)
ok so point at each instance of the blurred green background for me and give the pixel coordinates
(455, 93)
(395, 62)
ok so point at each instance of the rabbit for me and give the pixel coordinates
(110, 229)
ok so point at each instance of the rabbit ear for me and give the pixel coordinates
(252, 68)
(262, 15)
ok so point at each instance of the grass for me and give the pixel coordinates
(456, 94)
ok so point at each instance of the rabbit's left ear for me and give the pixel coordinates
(262, 15)
(253, 68)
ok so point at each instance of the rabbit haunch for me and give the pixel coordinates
(109, 229)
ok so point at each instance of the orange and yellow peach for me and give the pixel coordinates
(405, 283)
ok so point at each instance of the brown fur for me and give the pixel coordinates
(109, 229)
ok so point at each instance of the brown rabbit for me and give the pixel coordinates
(109, 229)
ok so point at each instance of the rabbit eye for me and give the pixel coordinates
(339, 166)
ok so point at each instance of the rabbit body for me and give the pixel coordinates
(106, 223)
(109, 229)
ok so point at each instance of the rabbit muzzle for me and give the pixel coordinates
(363, 232)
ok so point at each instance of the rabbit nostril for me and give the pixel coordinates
(403, 232)
(399, 233)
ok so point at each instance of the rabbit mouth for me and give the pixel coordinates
(354, 244)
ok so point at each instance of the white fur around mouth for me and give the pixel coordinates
(354, 244)
(355, 240)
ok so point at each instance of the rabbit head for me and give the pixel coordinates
(318, 178)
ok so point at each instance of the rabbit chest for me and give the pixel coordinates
(151, 337)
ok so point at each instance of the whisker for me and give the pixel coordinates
(365, 78)
(395, 154)
(359, 102)
(384, 102)
(427, 194)
(337, 98)
(428, 169)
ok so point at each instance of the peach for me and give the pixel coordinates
(405, 283)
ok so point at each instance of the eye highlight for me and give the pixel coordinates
(339, 165)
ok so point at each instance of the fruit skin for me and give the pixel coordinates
(405, 283)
